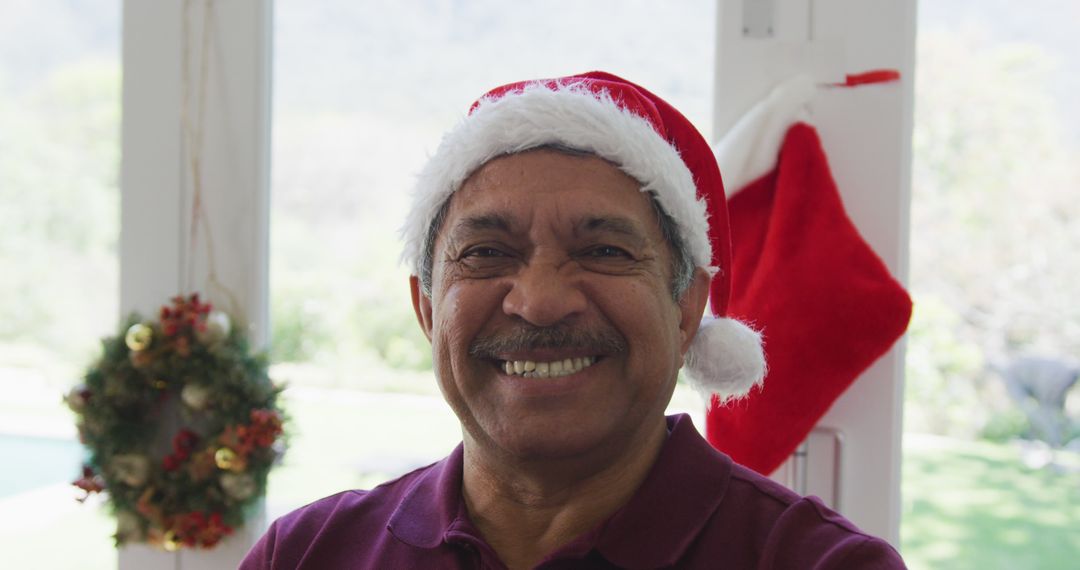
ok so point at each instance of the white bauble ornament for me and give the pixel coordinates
(76, 398)
(239, 486)
(128, 528)
(132, 468)
(217, 328)
(195, 396)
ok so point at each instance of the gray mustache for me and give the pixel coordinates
(526, 338)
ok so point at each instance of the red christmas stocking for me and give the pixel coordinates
(825, 302)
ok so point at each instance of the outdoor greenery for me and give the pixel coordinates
(995, 230)
(59, 162)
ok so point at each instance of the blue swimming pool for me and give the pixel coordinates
(31, 462)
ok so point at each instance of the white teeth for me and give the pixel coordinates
(555, 368)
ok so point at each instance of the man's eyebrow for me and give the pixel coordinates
(480, 222)
(612, 224)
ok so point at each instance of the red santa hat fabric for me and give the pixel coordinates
(645, 137)
(825, 302)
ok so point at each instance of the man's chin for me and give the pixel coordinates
(551, 439)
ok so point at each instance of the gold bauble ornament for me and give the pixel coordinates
(225, 458)
(139, 337)
(170, 541)
(159, 384)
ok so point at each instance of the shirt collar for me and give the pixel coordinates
(682, 490)
(680, 494)
(431, 505)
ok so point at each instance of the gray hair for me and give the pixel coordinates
(682, 264)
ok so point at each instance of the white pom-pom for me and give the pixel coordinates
(725, 359)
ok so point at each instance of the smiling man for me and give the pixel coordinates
(565, 240)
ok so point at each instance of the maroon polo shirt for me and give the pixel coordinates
(695, 509)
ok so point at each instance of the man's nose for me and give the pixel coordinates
(544, 294)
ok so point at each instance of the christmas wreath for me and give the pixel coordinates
(181, 424)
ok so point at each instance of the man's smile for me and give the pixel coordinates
(547, 369)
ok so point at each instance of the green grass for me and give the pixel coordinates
(975, 505)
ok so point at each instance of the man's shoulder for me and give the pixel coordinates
(354, 506)
(748, 485)
(788, 530)
(321, 532)
(698, 507)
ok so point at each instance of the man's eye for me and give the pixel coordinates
(607, 251)
(482, 252)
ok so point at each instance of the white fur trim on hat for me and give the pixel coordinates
(725, 359)
(567, 114)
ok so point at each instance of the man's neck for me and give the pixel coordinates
(528, 509)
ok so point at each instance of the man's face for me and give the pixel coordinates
(554, 265)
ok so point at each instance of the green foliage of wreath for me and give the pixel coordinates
(182, 426)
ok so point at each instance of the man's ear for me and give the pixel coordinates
(422, 305)
(692, 306)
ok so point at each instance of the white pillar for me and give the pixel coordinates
(866, 133)
(156, 183)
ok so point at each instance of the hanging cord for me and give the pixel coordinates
(193, 139)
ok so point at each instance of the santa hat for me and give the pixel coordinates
(826, 303)
(647, 139)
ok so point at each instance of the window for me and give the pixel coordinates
(59, 163)
(990, 476)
